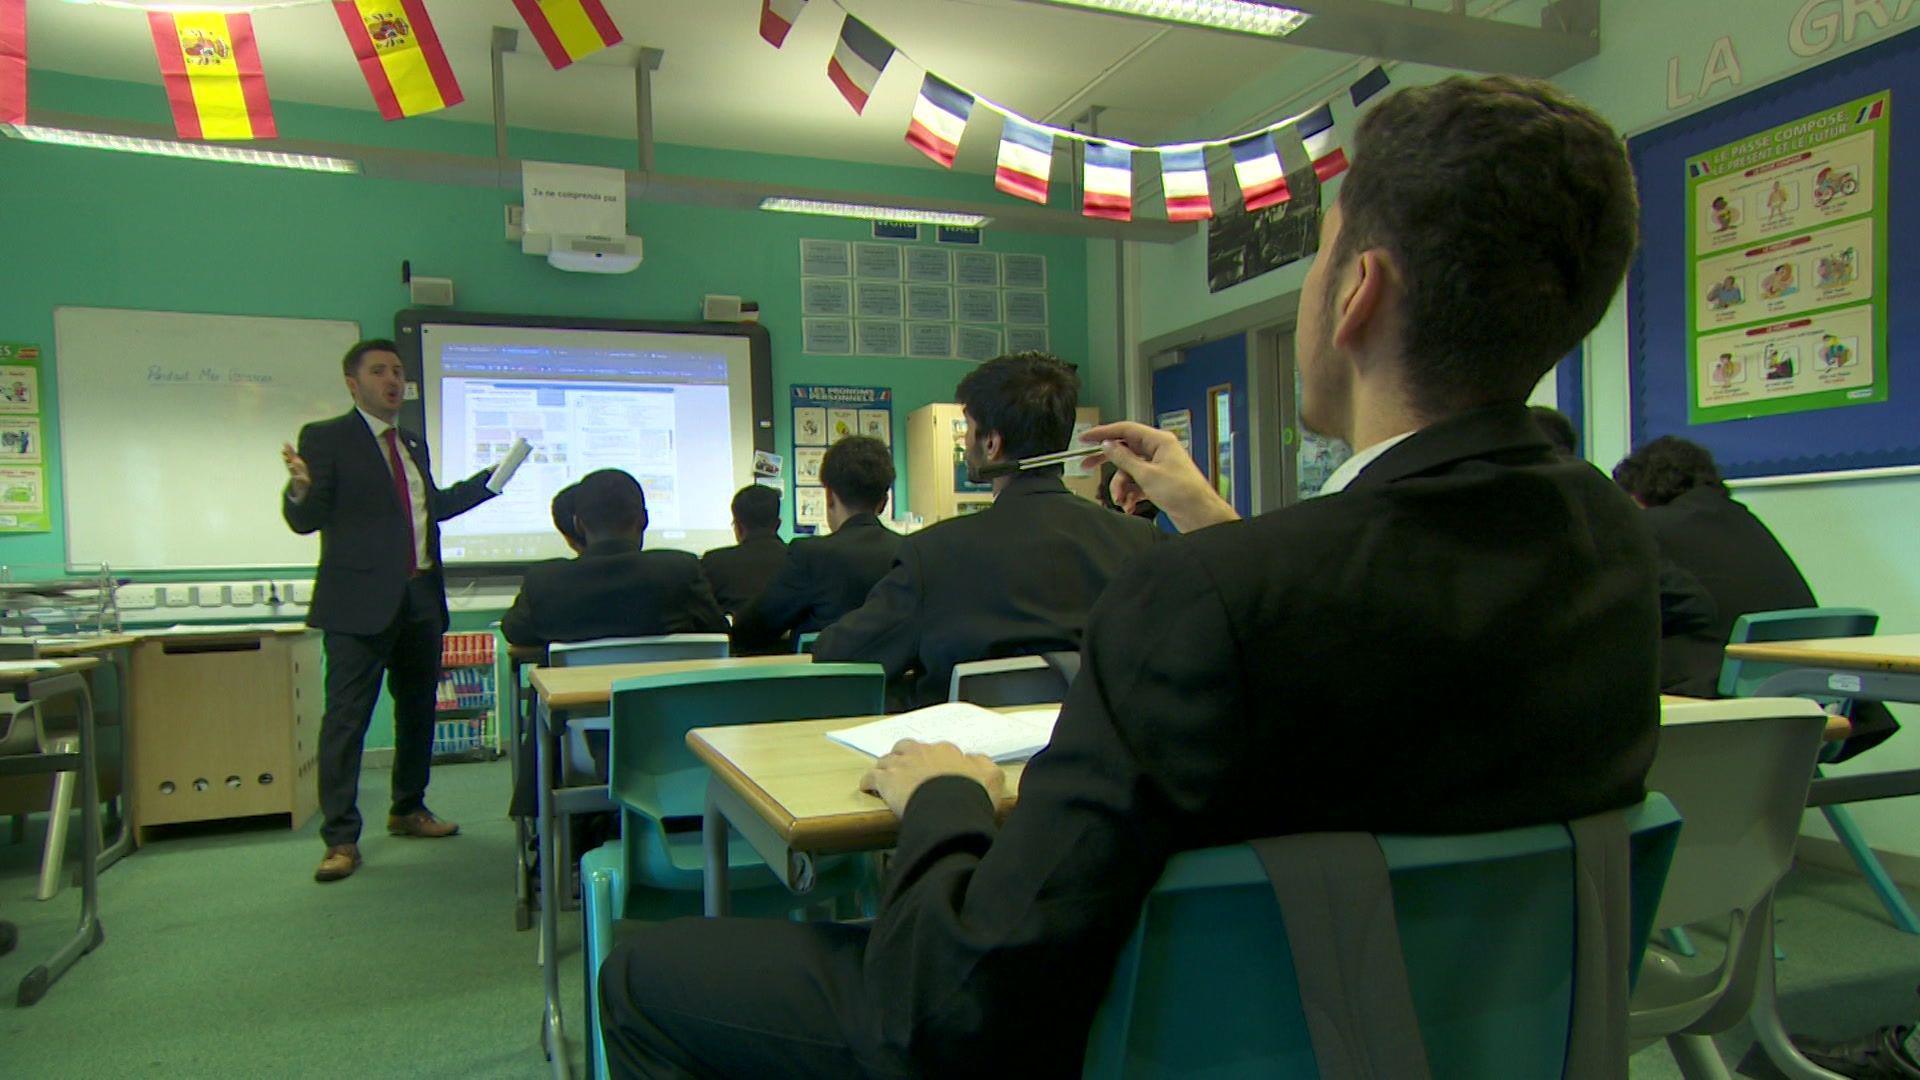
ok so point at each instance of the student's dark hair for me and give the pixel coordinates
(350, 364)
(609, 500)
(1665, 469)
(756, 509)
(1557, 427)
(1510, 211)
(1027, 397)
(565, 506)
(859, 471)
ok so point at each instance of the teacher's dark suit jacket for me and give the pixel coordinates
(614, 589)
(824, 578)
(1465, 639)
(1015, 579)
(1733, 554)
(362, 576)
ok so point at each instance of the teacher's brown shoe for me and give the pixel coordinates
(341, 861)
(420, 823)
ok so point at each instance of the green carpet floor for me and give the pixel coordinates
(224, 959)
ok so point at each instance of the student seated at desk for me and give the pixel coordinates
(564, 521)
(739, 573)
(1017, 578)
(1700, 526)
(1455, 639)
(827, 576)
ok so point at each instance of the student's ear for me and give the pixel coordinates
(579, 527)
(1362, 297)
(991, 444)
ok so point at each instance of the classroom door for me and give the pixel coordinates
(1206, 391)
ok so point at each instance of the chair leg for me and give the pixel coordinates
(1840, 819)
(58, 814)
(1679, 942)
(1697, 1057)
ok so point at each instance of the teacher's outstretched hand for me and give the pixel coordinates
(298, 478)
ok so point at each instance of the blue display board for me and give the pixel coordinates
(1865, 436)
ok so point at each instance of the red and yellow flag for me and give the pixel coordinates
(213, 75)
(13, 61)
(568, 29)
(400, 56)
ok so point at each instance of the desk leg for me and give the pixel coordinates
(713, 839)
(516, 728)
(89, 934)
(1764, 1014)
(123, 843)
(553, 1037)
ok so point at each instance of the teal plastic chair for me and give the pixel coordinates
(803, 643)
(1207, 984)
(1742, 678)
(655, 870)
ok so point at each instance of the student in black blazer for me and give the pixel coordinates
(1701, 527)
(827, 576)
(1017, 578)
(740, 572)
(614, 589)
(379, 593)
(1474, 612)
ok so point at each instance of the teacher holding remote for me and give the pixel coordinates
(379, 594)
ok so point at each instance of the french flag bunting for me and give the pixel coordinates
(776, 18)
(1317, 134)
(1368, 85)
(13, 61)
(1026, 160)
(1183, 176)
(1256, 164)
(939, 119)
(1872, 111)
(858, 59)
(1108, 181)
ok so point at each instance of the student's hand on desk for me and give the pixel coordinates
(298, 479)
(1153, 465)
(897, 776)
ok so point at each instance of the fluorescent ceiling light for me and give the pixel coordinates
(1240, 16)
(231, 154)
(873, 213)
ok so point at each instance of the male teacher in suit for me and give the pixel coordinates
(379, 594)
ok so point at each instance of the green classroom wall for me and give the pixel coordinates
(96, 229)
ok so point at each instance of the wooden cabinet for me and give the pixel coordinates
(225, 726)
(937, 486)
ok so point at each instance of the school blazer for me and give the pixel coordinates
(614, 589)
(823, 578)
(1463, 640)
(362, 577)
(1014, 579)
(739, 573)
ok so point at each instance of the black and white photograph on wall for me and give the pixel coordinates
(1241, 246)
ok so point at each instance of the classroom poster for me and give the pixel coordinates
(822, 416)
(922, 302)
(23, 463)
(1787, 267)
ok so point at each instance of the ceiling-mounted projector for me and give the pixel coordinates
(586, 254)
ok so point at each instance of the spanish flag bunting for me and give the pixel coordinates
(13, 61)
(400, 56)
(213, 75)
(568, 29)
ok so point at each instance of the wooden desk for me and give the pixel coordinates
(1899, 653)
(559, 693)
(65, 678)
(226, 724)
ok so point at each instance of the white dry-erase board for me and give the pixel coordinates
(170, 433)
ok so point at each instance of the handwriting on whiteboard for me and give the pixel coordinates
(208, 376)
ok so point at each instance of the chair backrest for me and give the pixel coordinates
(638, 650)
(1207, 985)
(1738, 771)
(1741, 678)
(803, 643)
(1014, 680)
(652, 770)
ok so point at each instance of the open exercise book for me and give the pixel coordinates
(1013, 735)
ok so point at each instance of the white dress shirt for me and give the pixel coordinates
(416, 485)
(1350, 468)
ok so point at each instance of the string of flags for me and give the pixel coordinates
(943, 110)
(218, 90)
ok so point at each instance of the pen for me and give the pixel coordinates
(1038, 461)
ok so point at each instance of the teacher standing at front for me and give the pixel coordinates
(379, 594)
